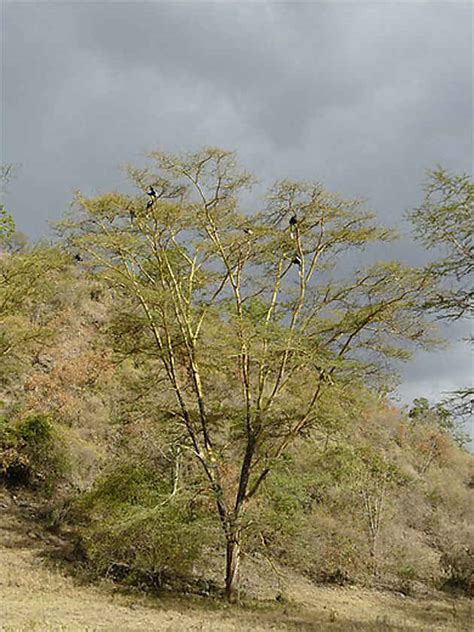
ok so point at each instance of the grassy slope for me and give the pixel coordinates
(38, 595)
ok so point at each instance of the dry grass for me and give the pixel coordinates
(37, 596)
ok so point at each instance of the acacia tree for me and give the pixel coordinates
(445, 222)
(245, 315)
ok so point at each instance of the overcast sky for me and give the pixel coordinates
(363, 97)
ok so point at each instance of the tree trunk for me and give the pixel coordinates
(232, 573)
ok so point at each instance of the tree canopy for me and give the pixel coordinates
(444, 223)
(247, 320)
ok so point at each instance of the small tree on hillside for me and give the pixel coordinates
(7, 226)
(247, 321)
(7, 223)
(439, 418)
(375, 477)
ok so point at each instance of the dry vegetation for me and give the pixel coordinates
(38, 592)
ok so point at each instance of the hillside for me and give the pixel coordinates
(195, 411)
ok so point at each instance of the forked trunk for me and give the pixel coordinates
(232, 574)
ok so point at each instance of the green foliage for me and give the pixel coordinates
(131, 519)
(446, 220)
(29, 282)
(32, 452)
(195, 278)
(299, 519)
(198, 279)
(7, 225)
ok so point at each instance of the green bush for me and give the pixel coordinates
(32, 453)
(407, 575)
(131, 527)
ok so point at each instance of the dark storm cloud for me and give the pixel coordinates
(361, 96)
